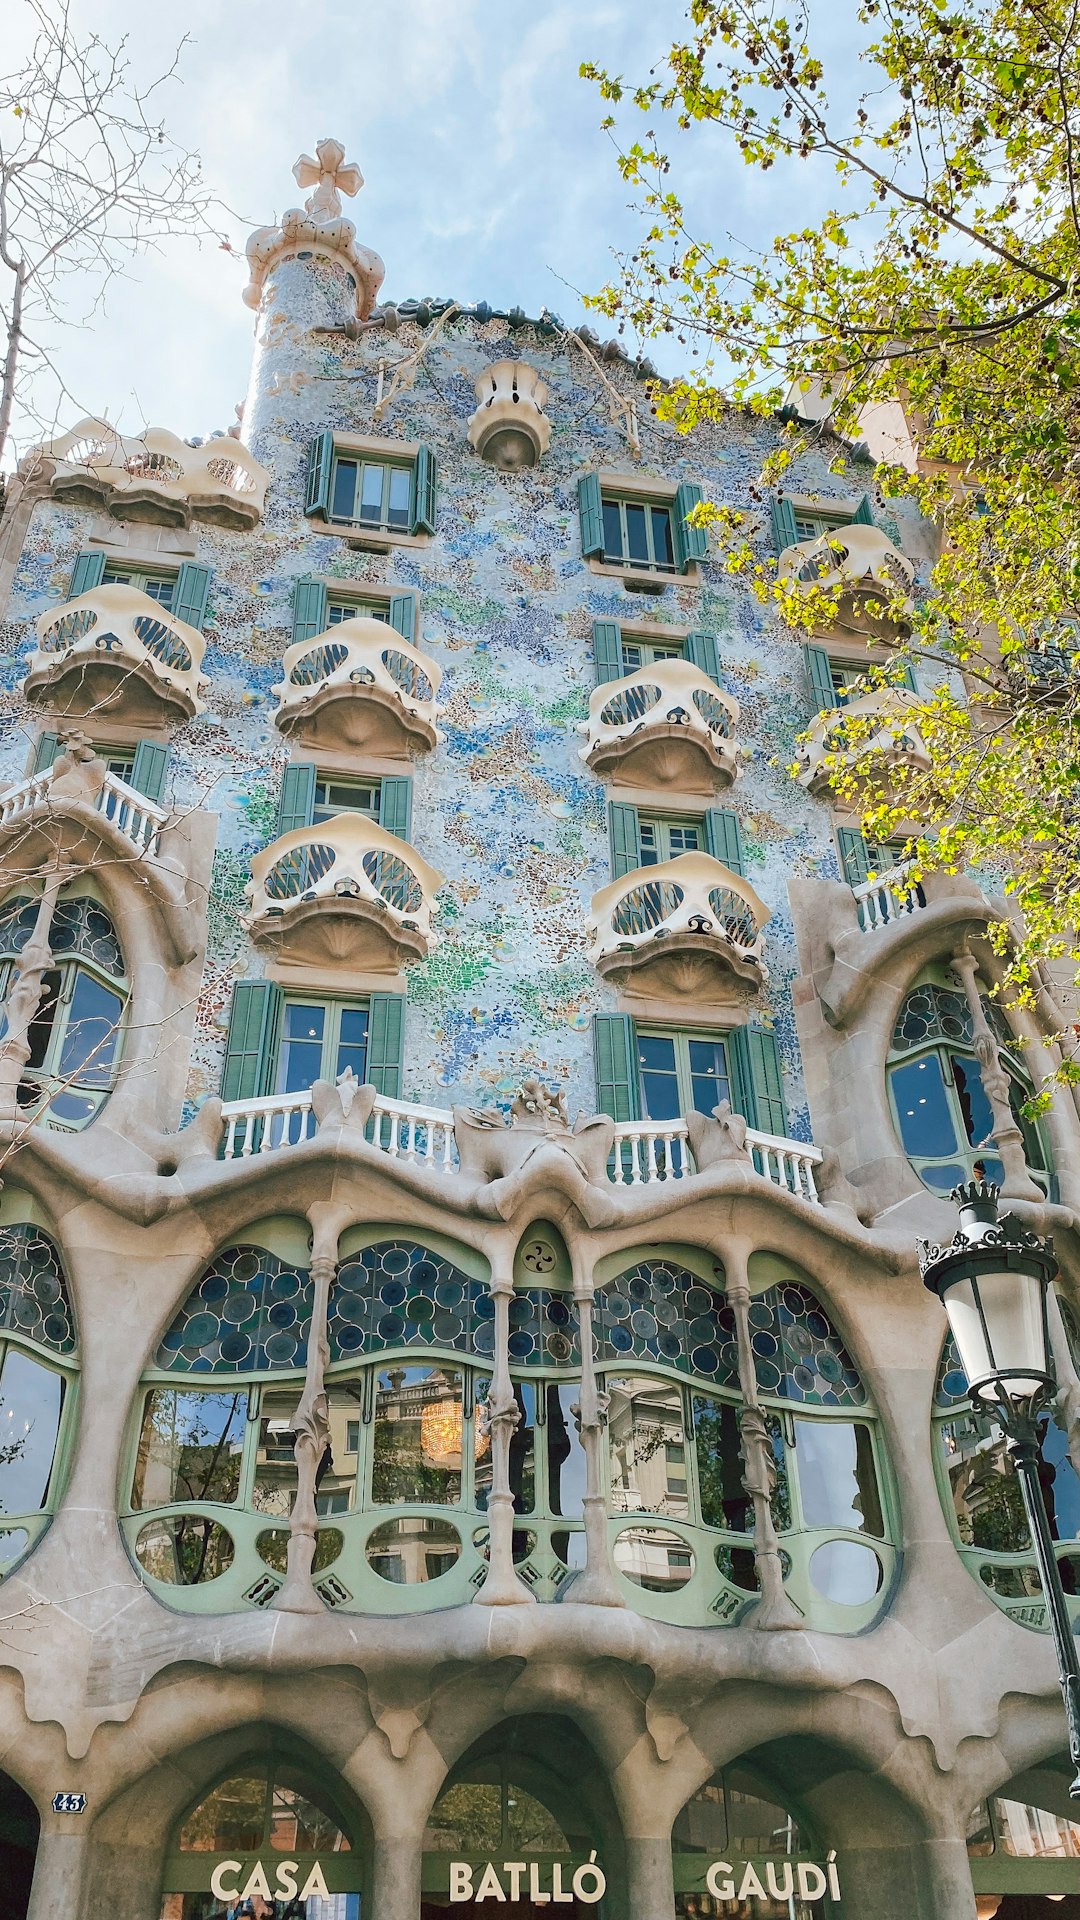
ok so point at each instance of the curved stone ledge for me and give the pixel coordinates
(359, 687)
(666, 726)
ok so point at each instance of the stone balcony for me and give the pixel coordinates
(157, 478)
(359, 687)
(688, 929)
(666, 726)
(870, 579)
(345, 892)
(870, 728)
(509, 427)
(117, 653)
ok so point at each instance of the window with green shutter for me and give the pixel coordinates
(386, 493)
(296, 802)
(682, 1072)
(625, 839)
(191, 594)
(702, 652)
(249, 1060)
(615, 1056)
(860, 857)
(86, 574)
(647, 650)
(148, 769)
(723, 838)
(309, 608)
(691, 543)
(157, 583)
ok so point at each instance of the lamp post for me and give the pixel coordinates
(993, 1279)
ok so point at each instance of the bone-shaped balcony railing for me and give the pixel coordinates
(688, 903)
(658, 713)
(876, 727)
(113, 627)
(863, 564)
(95, 455)
(346, 862)
(360, 660)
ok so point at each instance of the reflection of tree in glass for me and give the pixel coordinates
(13, 1449)
(194, 1434)
(724, 1499)
(486, 1818)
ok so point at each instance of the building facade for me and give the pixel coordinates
(473, 1432)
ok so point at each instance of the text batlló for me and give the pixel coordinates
(286, 1876)
(508, 1882)
(774, 1880)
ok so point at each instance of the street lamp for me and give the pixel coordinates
(993, 1280)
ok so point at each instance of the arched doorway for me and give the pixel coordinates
(738, 1848)
(19, 1826)
(269, 1831)
(523, 1820)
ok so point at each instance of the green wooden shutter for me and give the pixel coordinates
(386, 1043)
(424, 488)
(863, 515)
(691, 543)
(148, 769)
(86, 573)
(784, 531)
(320, 468)
(702, 651)
(907, 678)
(296, 801)
(625, 839)
(249, 1060)
(819, 674)
(758, 1092)
(190, 594)
(45, 752)
(607, 651)
(403, 614)
(615, 1056)
(395, 806)
(309, 608)
(854, 855)
(590, 513)
(723, 838)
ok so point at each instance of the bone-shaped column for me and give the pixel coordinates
(1006, 1135)
(775, 1610)
(312, 1426)
(501, 1587)
(595, 1586)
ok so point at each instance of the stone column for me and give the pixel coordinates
(26, 994)
(61, 1871)
(501, 1587)
(775, 1610)
(1017, 1182)
(596, 1585)
(396, 1865)
(648, 1876)
(928, 1879)
(297, 1594)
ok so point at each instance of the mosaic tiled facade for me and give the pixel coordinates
(471, 1426)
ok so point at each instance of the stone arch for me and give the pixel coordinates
(134, 1831)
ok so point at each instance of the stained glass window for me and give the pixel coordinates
(249, 1313)
(33, 1292)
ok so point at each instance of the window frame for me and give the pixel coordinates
(648, 503)
(683, 1038)
(652, 651)
(388, 465)
(46, 1076)
(333, 1006)
(143, 579)
(663, 825)
(323, 813)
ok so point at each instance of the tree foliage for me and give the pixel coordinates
(945, 278)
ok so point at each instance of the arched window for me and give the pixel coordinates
(942, 1112)
(736, 1817)
(403, 1492)
(37, 1354)
(1017, 1848)
(76, 1033)
(674, 1450)
(984, 1501)
(269, 1828)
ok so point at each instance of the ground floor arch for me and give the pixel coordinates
(19, 1828)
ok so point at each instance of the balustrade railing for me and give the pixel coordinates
(644, 1151)
(137, 818)
(888, 896)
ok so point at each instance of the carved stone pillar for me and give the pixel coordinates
(596, 1585)
(501, 1587)
(1067, 1401)
(775, 1610)
(1006, 1135)
(312, 1434)
(26, 994)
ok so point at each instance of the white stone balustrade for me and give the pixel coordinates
(876, 723)
(359, 687)
(667, 725)
(156, 477)
(509, 427)
(861, 564)
(688, 929)
(343, 892)
(116, 652)
(889, 896)
(131, 813)
(645, 1150)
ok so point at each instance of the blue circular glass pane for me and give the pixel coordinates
(395, 1259)
(393, 1294)
(235, 1348)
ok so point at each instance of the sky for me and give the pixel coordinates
(487, 173)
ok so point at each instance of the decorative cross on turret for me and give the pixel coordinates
(329, 176)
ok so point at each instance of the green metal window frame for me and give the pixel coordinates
(327, 808)
(389, 518)
(709, 1597)
(158, 583)
(333, 1006)
(35, 1523)
(650, 504)
(45, 1076)
(681, 1039)
(640, 651)
(339, 610)
(996, 1870)
(660, 827)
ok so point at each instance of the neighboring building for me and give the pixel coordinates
(471, 1425)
